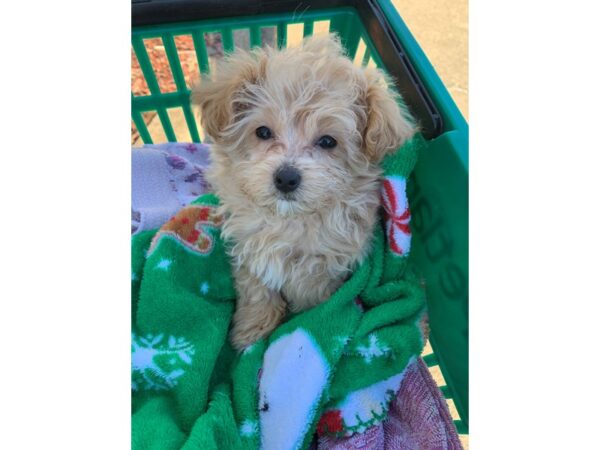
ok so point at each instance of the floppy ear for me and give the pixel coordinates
(388, 125)
(220, 100)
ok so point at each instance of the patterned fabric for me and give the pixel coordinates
(157, 361)
(418, 419)
(192, 228)
(165, 178)
(397, 214)
(348, 354)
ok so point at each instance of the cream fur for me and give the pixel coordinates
(293, 251)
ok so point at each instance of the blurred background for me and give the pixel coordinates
(441, 29)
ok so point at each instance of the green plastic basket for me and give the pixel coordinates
(438, 190)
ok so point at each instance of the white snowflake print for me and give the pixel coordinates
(374, 350)
(342, 341)
(155, 364)
(204, 288)
(164, 264)
(248, 428)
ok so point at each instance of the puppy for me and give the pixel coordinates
(298, 137)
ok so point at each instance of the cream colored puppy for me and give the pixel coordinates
(298, 135)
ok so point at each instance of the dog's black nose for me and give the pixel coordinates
(287, 179)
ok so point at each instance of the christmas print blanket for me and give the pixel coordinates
(165, 178)
(333, 369)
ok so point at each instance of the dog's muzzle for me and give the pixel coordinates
(287, 179)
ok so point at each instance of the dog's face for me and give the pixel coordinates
(298, 130)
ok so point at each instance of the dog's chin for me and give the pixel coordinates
(287, 207)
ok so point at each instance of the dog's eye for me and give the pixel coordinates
(264, 133)
(326, 142)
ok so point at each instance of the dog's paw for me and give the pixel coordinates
(254, 322)
(242, 338)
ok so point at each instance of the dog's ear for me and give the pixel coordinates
(388, 125)
(220, 100)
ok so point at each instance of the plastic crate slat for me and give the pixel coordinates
(173, 57)
(446, 391)
(366, 56)
(191, 123)
(255, 38)
(201, 53)
(431, 360)
(349, 32)
(144, 60)
(308, 28)
(138, 119)
(166, 124)
(167, 100)
(227, 37)
(461, 427)
(281, 34)
(142, 55)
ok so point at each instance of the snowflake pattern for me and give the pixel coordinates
(164, 264)
(204, 288)
(248, 428)
(342, 341)
(375, 349)
(157, 362)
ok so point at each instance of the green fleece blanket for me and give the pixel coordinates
(332, 369)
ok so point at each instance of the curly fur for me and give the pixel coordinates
(292, 251)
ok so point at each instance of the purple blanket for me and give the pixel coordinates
(165, 177)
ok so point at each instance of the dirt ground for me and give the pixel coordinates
(189, 64)
(441, 28)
